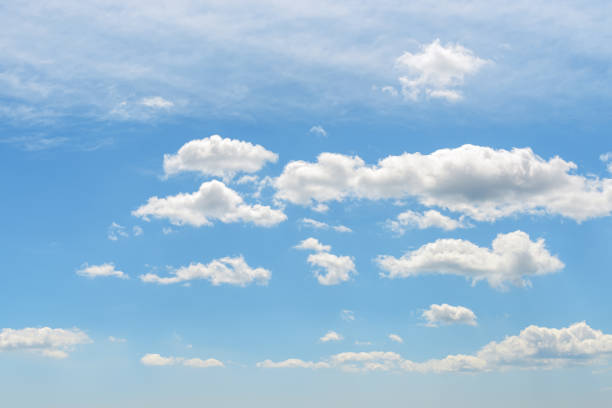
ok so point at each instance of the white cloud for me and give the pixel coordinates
(313, 244)
(114, 339)
(447, 314)
(347, 315)
(227, 270)
(390, 90)
(156, 102)
(104, 270)
(159, 361)
(213, 201)
(322, 225)
(607, 158)
(115, 231)
(167, 230)
(292, 363)
(396, 338)
(54, 343)
(217, 156)
(480, 182)
(331, 336)
(318, 130)
(436, 70)
(337, 269)
(534, 348)
(428, 219)
(513, 258)
(137, 231)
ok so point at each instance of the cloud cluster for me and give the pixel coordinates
(217, 156)
(437, 71)
(337, 269)
(477, 181)
(513, 258)
(160, 361)
(104, 270)
(446, 314)
(213, 201)
(227, 270)
(534, 347)
(54, 343)
(428, 219)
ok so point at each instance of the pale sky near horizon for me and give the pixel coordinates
(335, 204)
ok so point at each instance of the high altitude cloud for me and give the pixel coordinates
(437, 70)
(159, 361)
(104, 270)
(534, 347)
(217, 156)
(513, 258)
(213, 201)
(447, 314)
(331, 336)
(428, 219)
(337, 269)
(227, 270)
(55, 343)
(477, 181)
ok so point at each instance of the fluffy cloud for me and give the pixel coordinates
(337, 269)
(292, 363)
(513, 258)
(436, 70)
(477, 181)
(159, 361)
(447, 314)
(396, 338)
(217, 156)
(54, 343)
(227, 270)
(331, 336)
(535, 347)
(213, 201)
(313, 244)
(322, 225)
(96, 271)
(428, 219)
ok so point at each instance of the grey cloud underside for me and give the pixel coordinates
(533, 348)
(477, 181)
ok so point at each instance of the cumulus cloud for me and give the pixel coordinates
(104, 270)
(227, 270)
(309, 222)
(213, 201)
(513, 258)
(292, 363)
(313, 244)
(533, 348)
(159, 361)
(54, 343)
(217, 156)
(480, 182)
(318, 130)
(446, 314)
(337, 269)
(331, 336)
(437, 70)
(428, 219)
(156, 102)
(396, 338)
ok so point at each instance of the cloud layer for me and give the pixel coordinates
(513, 258)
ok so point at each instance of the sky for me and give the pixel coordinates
(335, 204)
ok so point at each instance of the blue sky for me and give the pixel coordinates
(404, 205)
